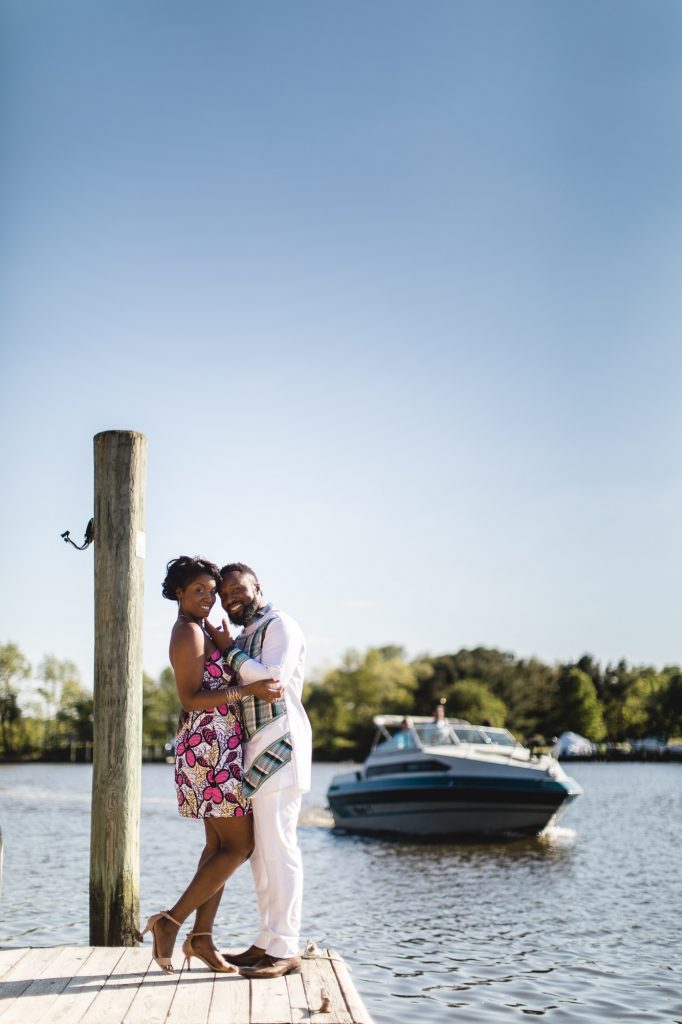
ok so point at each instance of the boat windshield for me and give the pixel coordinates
(435, 734)
(469, 734)
(500, 736)
(484, 734)
(408, 734)
(414, 736)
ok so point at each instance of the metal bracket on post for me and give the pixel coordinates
(89, 537)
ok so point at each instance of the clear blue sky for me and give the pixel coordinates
(392, 288)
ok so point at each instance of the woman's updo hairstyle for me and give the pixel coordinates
(181, 571)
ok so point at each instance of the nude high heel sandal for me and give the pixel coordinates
(164, 962)
(189, 951)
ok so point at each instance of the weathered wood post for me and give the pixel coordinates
(120, 481)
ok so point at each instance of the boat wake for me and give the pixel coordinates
(555, 835)
(316, 817)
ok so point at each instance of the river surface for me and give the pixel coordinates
(580, 926)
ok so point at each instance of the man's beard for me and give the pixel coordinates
(246, 615)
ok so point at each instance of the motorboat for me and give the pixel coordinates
(447, 778)
(570, 744)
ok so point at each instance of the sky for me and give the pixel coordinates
(391, 288)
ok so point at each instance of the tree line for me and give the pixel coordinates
(536, 701)
(48, 712)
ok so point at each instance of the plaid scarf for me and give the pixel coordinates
(266, 764)
(258, 713)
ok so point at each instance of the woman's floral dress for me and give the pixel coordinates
(208, 755)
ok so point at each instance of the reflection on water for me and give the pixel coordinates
(578, 925)
(416, 854)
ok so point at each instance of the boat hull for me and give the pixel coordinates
(446, 807)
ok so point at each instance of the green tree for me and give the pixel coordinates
(497, 669)
(342, 704)
(641, 708)
(532, 697)
(670, 706)
(74, 715)
(330, 717)
(55, 675)
(527, 689)
(617, 682)
(578, 707)
(472, 700)
(592, 668)
(436, 675)
(14, 668)
(160, 708)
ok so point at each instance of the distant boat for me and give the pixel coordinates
(449, 779)
(572, 744)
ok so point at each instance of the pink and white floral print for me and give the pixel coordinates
(208, 755)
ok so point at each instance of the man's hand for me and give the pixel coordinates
(268, 690)
(222, 637)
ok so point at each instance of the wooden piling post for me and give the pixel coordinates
(120, 482)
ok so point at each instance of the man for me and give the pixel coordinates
(438, 732)
(277, 765)
(404, 737)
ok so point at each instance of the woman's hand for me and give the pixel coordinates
(222, 637)
(267, 689)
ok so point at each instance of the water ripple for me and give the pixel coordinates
(578, 926)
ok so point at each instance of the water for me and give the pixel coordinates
(581, 926)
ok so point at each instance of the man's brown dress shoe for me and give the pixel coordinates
(272, 967)
(248, 958)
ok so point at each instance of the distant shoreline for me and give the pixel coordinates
(636, 756)
(610, 757)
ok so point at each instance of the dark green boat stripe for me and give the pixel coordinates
(379, 785)
(451, 795)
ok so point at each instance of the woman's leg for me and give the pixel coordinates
(231, 844)
(205, 915)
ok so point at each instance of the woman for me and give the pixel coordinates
(208, 763)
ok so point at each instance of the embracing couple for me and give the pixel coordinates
(242, 763)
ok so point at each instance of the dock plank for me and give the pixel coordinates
(356, 1007)
(324, 981)
(113, 1000)
(9, 957)
(230, 1000)
(192, 999)
(330, 983)
(300, 1011)
(152, 1001)
(83, 987)
(44, 990)
(270, 1001)
(23, 973)
(122, 985)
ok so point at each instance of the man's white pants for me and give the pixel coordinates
(278, 870)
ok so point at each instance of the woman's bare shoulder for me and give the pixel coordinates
(187, 635)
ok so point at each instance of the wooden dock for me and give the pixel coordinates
(122, 985)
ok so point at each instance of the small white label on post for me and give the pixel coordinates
(140, 544)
